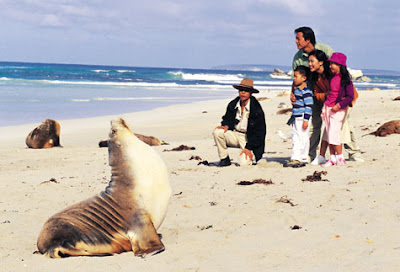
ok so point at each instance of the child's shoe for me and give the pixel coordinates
(341, 162)
(329, 163)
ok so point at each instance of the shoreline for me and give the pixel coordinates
(348, 222)
(100, 124)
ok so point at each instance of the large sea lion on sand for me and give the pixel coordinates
(125, 216)
(46, 135)
(387, 128)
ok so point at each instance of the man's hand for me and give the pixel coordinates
(248, 154)
(225, 128)
(305, 124)
(292, 98)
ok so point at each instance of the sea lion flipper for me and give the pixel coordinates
(144, 237)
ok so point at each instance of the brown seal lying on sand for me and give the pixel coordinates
(46, 135)
(150, 140)
(387, 128)
(125, 216)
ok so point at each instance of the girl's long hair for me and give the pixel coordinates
(320, 56)
(346, 79)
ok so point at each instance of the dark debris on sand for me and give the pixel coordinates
(285, 199)
(205, 227)
(295, 227)
(180, 148)
(256, 181)
(316, 176)
(52, 180)
(197, 158)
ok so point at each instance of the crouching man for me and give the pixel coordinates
(243, 126)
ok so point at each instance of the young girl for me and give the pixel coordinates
(334, 110)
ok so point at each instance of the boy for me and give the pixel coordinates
(301, 114)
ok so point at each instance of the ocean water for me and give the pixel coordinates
(32, 92)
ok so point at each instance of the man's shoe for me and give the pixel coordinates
(299, 164)
(356, 159)
(224, 162)
(291, 163)
(319, 160)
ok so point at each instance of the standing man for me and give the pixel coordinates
(242, 126)
(305, 41)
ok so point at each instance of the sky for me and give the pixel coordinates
(198, 33)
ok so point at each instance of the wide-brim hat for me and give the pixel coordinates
(338, 58)
(246, 85)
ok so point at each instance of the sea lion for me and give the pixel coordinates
(284, 111)
(150, 140)
(46, 135)
(123, 217)
(387, 128)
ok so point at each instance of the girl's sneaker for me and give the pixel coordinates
(329, 163)
(341, 162)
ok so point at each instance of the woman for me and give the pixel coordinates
(320, 76)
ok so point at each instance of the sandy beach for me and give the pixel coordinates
(347, 222)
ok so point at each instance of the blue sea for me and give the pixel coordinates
(32, 92)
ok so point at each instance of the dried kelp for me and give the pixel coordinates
(316, 176)
(256, 181)
(180, 148)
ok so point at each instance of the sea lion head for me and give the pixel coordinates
(120, 140)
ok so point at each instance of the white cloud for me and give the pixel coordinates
(78, 10)
(51, 20)
(296, 7)
(66, 13)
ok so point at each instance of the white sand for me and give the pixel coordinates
(350, 223)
